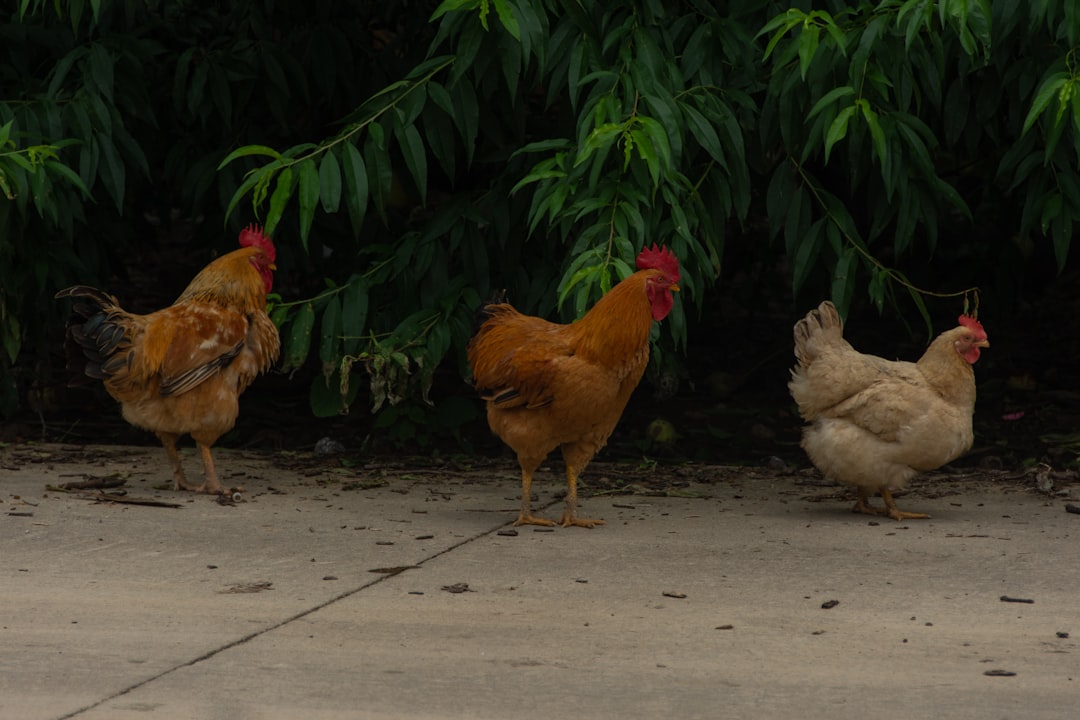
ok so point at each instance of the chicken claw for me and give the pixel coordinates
(890, 509)
(568, 520)
(526, 519)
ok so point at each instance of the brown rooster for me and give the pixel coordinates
(549, 385)
(181, 370)
(876, 423)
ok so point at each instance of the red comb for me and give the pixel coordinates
(659, 258)
(974, 325)
(252, 236)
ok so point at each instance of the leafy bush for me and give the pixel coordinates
(409, 162)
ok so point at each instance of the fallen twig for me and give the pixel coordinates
(93, 483)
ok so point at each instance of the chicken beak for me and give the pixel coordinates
(273, 267)
(674, 287)
(983, 344)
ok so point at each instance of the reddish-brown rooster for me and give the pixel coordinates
(553, 386)
(875, 423)
(181, 370)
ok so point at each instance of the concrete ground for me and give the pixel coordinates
(335, 592)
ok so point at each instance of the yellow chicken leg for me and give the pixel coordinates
(862, 505)
(896, 514)
(570, 516)
(525, 517)
(210, 485)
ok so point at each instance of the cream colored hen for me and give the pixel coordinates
(875, 423)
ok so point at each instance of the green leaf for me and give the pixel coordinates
(808, 45)
(330, 183)
(299, 341)
(356, 185)
(414, 152)
(829, 98)
(506, 17)
(69, 175)
(704, 133)
(308, 196)
(1049, 89)
(330, 330)
(354, 311)
(247, 151)
(876, 133)
(838, 129)
(283, 190)
(806, 254)
(843, 281)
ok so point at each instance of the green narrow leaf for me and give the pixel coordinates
(806, 255)
(808, 45)
(412, 148)
(248, 150)
(838, 129)
(283, 190)
(506, 17)
(330, 333)
(299, 342)
(1049, 89)
(843, 280)
(330, 183)
(354, 311)
(829, 98)
(876, 133)
(308, 196)
(356, 185)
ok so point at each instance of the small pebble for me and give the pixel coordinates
(725, 627)
(424, 537)
(507, 533)
(829, 604)
(999, 673)
(1063, 635)
(330, 577)
(673, 594)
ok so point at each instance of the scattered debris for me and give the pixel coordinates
(1006, 598)
(424, 537)
(673, 594)
(1074, 509)
(328, 446)
(94, 483)
(243, 588)
(393, 570)
(458, 588)
(330, 577)
(1062, 635)
(509, 532)
(829, 604)
(725, 627)
(1000, 673)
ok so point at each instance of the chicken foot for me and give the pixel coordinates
(862, 505)
(210, 485)
(570, 516)
(525, 516)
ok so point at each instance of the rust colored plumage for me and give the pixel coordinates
(876, 423)
(551, 386)
(181, 370)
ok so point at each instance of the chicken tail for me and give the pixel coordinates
(823, 324)
(483, 313)
(95, 334)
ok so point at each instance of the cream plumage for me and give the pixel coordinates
(875, 423)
